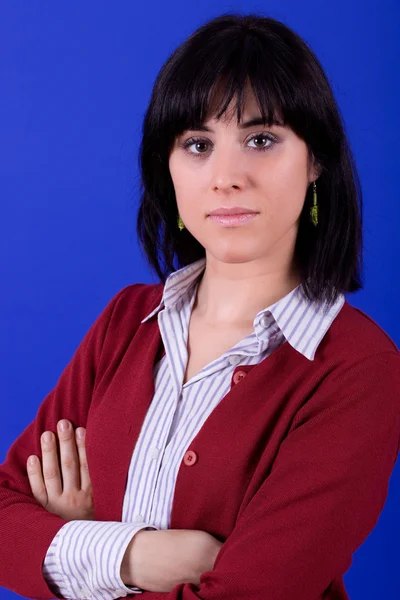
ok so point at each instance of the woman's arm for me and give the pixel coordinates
(157, 561)
(322, 498)
(26, 528)
(82, 562)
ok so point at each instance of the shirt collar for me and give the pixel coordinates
(302, 322)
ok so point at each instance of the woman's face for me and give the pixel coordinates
(266, 169)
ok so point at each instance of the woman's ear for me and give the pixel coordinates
(315, 170)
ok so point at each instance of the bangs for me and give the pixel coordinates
(206, 81)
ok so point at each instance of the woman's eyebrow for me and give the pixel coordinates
(250, 123)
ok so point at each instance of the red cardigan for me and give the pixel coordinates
(292, 467)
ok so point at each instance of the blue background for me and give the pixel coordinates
(75, 80)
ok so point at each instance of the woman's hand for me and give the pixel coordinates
(68, 493)
(157, 561)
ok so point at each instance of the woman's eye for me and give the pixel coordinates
(197, 144)
(263, 141)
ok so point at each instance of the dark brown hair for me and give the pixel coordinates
(287, 77)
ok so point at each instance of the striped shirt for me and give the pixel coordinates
(84, 558)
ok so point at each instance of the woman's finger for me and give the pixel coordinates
(68, 457)
(50, 467)
(35, 476)
(86, 483)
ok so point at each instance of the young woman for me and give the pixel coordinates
(240, 418)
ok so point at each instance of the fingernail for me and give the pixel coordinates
(32, 460)
(47, 436)
(63, 425)
(80, 433)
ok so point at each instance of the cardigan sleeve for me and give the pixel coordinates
(26, 528)
(322, 496)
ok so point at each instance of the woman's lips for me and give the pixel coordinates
(232, 220)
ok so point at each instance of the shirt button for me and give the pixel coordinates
(264, 320)
(138, 517)
(234, 359)
(86, 591)
(190, 458)
(154, 452)
(238, 376)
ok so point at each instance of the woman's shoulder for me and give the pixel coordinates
(140, 294)
(357, 333)
(134, 301)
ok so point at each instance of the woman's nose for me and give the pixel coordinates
(228, 170)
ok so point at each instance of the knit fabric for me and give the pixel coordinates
(295, 431)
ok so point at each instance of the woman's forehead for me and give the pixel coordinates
(247, 102)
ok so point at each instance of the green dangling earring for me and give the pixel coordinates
(314, 208)
(180, 223)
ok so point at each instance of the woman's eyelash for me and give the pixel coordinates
(197, 140)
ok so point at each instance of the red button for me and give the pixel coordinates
(190, 458)
(238, 376)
